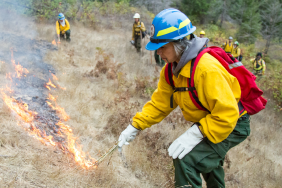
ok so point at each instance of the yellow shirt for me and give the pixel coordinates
(228, 48)
(60, 28)
(259, 65)
(218, 91)
(236, 52)
(136, 29)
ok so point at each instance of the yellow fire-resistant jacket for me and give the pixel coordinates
(60, 28)
(217, 90)
(236, 52)
(259, 65)
(227, 48)
(136, 29)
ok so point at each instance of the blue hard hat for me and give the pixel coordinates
(169, 25)
(61, 16)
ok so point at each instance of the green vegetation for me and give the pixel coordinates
(89, 12)
(252, 18)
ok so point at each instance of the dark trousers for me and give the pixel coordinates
(137, 43)
(207, 159)
(62, 36)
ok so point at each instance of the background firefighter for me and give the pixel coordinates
(202, 34)
(63, 28)
(228, 46)
(202, 148)
(137, 29)
(236, 51)
(259, 65)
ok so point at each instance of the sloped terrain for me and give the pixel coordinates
(106, 83)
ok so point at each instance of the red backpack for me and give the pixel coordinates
(251, 96)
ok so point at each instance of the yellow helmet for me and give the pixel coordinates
(202, 32)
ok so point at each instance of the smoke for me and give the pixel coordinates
(30, 81)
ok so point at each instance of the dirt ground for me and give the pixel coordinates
(106, 83)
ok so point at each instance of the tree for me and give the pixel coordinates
(271, 22)
(154, 6)
(217, 10)
(196, 10)
(247, 16)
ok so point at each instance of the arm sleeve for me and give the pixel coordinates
(221, 101)
(143, 27)
(238, 52)
(67, 25)
(57, 28)
(133, 32)
(158, 108)
(263, 66)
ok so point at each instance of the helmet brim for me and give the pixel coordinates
(61, 18)
(154, 46)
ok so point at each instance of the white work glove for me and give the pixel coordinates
(127, 136)
(132, 42)
(186, 142)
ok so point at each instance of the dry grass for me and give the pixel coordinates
(101, 106)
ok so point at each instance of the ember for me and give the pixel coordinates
(49, 129)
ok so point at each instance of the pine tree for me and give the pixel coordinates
(247, 16)
(271, 21)
(196, 10)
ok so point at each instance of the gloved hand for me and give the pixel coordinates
(127, 135)
(132, 42)
(186, 142)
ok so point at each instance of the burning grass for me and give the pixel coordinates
(100, 108)
(35, 123)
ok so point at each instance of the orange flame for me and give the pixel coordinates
(54, 42)
(54, 77)
(8, 76)
(20, 71)
(70, 146)
(49, 85)
(60, 111)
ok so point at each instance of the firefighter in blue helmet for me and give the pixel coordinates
(63, 28)
(202, 148)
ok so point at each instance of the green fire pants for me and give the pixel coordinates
(62, 36)
(207, 159)
(137, 43)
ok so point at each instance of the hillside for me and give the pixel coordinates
(106, 83)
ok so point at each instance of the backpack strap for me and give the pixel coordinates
(169, 80)
(168, 75)
(190, 81)
(191, 84)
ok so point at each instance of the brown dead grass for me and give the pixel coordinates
(101, 106)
